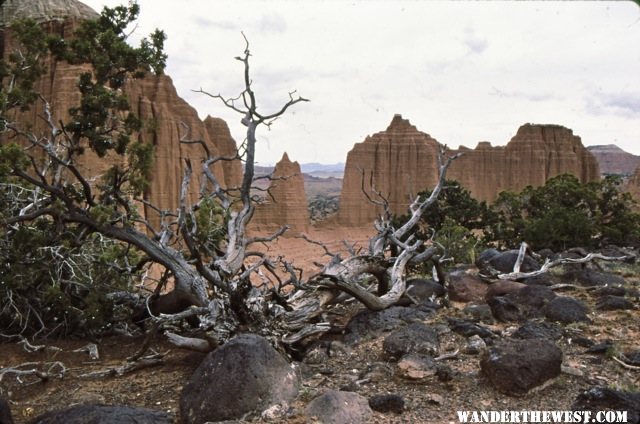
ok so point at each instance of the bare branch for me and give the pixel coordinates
(550, 264)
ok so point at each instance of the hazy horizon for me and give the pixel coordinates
(462, 72)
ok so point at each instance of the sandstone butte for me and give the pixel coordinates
(284, 202)
(167, 117)
(401, 161)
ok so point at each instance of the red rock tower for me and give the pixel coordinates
(287, 203)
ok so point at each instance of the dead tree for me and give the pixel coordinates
(343, 276)
(215, 282)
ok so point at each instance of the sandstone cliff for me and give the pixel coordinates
(614, 160)
(285, 202)
(535, 154)
(402, 161)
(632, 185)
(166, 117)
(398, 161)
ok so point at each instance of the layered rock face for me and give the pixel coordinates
(167, 118)
(395, 163)
(632, 185)
(535, 154)
(614, 160)
(403, 162)
(285, 203)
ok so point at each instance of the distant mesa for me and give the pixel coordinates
(615, 161)
(401, 161)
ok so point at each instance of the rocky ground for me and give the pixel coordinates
(358, 362)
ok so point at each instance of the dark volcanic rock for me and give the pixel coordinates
(468, 328)
(241, 377)
(566, 310)
(103, 414)
(604, 398)
(516, 366)
(464, 287)
(538, 330)
(368, 323)
(336, 407)
(387, 403)
(413, 338)
(611, 291)
(504, 310)
(502, 288)
(591, 278)
(505, 261)
(612, 303)
(532, 298)
(421, 291)
(479, 313)
(5, 412)
(602, 347)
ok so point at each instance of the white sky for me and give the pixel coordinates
(462, 72)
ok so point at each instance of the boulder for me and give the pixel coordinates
(104, 414)
(337, 407)
(387, 403)
(420, 290)
(531, 299)
(468, 328)
(501, 288)
(605, 398)
(369, 324)
(538, 330)
(612, 303)
(516, 366)
(413, 338)
(505, 261)
(505, 310)
(591, 278)
(519, 303)
(5, 412)
(479, 313)
(417, 367)
(566, 309)
(243, 377)
(465, 287)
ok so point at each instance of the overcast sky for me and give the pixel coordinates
(462, 72)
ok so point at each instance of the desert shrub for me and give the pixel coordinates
(456, 220)
(566, 213)
(51, 284)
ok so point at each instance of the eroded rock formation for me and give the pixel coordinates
(285, 202)
(402, 161)
(535, 154)
(166, 117)
(632, 185)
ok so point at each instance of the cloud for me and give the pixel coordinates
(521, 95)
(622, 104)
(475, 43)
(225, 25)
(272, 23)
